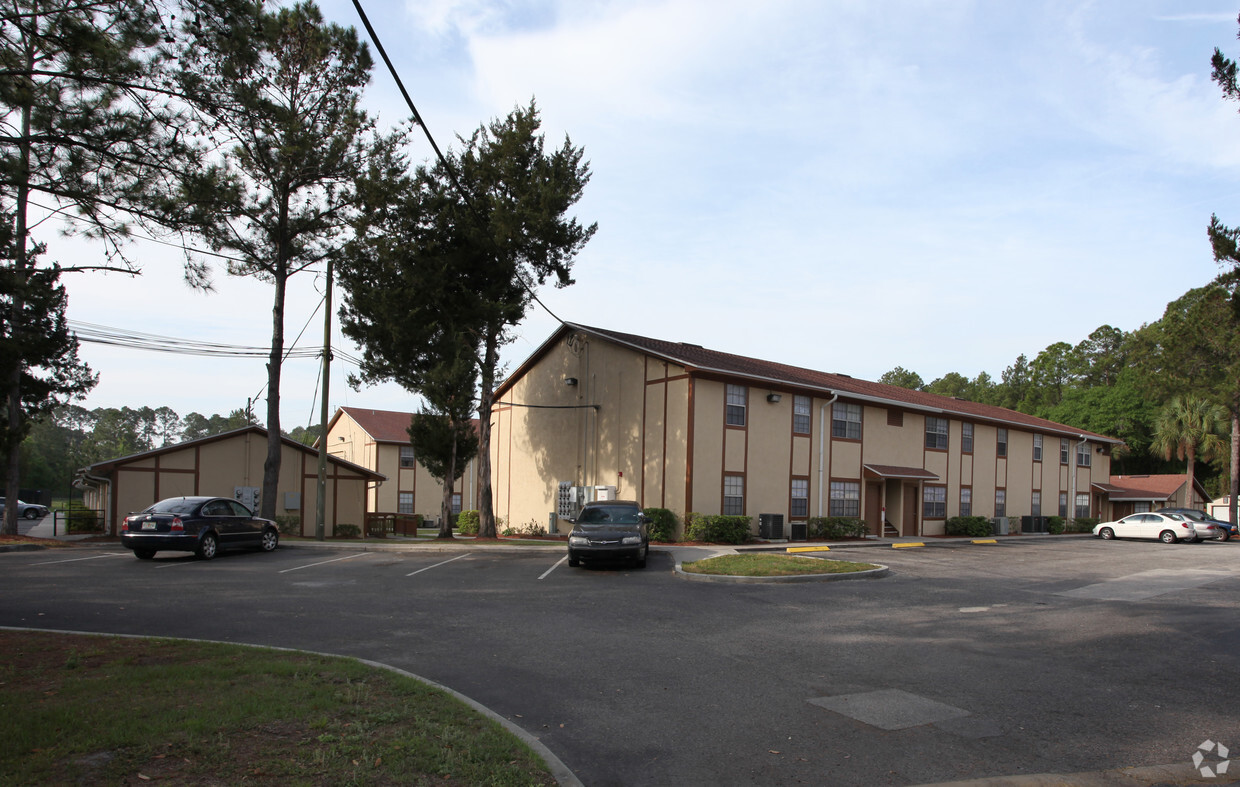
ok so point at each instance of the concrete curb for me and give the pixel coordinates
(559, 770)
(873, 573)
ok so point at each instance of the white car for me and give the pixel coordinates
(1167, 528)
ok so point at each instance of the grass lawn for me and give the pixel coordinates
(111, 710)
(772, 566)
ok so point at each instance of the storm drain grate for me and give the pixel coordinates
(889, 709)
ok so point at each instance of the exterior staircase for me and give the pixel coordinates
(889, 530)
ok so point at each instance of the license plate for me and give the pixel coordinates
(148, 525)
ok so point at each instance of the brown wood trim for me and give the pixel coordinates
(663, 480)
(689, 448)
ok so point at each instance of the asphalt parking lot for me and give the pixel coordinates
(1037, 656)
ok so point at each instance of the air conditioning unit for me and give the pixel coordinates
(770, 525)
(1001, 526)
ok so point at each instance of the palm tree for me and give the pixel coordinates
(1189, 427)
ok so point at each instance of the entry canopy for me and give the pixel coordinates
(895, 471)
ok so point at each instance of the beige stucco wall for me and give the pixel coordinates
(660, 437)
(217, 468)
(350, 441)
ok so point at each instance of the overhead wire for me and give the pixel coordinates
(417, 118)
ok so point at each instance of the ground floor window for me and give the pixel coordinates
(733, 495)
(456, 503)
(1037, 503)
(934, 502)
(845, 498)
(1141, 508)
(800, 498)
(404, 504)
(1082, 506)
(1000, 502)
(966, 501)
(1063, 504)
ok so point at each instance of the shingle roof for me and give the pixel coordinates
(385, 426)
(1146, 487)
(700, 359)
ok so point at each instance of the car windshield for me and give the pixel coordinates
(610, 515)
(179, 505)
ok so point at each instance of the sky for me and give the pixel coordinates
(842, 185)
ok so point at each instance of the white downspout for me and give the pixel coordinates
(1073, 469)
(822, 446)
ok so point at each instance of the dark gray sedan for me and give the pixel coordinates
(609, 530)
(202, 525)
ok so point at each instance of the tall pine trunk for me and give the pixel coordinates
(490, 360)
(13, 476)
(271, 467)
(445, 507)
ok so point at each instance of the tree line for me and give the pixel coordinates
(237, 129)
(1169, 389)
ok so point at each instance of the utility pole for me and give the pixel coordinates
(320, 508)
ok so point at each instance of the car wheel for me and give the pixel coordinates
(144, 554)
(1224, 536)
(1106, 533)
(1167, 537)
(31, 513)
(208, 546)
(271, 539)
(641, 562)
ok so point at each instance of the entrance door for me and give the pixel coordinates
(908, 527)
(874, 508)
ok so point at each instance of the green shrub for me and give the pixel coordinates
(835, 527)
(289, 525)
(467, 523)
(1083, 524)
(83, 520)
(718, 529)
(348, 531)
(1055, 525)
(975, 526)
(662, 525)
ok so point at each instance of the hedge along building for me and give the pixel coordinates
(678, 426)
(229, 464)
(379, 440)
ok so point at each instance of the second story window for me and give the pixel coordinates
(846, 421)
(738, 398)
(801, 414)
(1082, 455)
(1001, 443)
(936, 433)
(1037, 448)
(1063, 453)
(966, 439)
(406, 456)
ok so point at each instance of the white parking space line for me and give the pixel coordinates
(1148, 584)
(553, 568)
(76, 559)
(437, 565)
(325, 562)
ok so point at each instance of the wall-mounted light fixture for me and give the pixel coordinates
(570, 380)
(773, 398)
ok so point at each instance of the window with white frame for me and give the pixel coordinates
(1001, 446)
(1063, 450)
(1037, 449)
(1082, 454)
(1000, 502)
(800, 498)
(738, 399)
(1082, 505)
(407, 459)
(966, 440)
(801, 414)
(404, 503)
(733, 495)
(934, 502)
(845, 498)
(936, 433)
(1036, 503)
(1063, 503)
(846, 421)
(966, 501)
(1141, 508)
